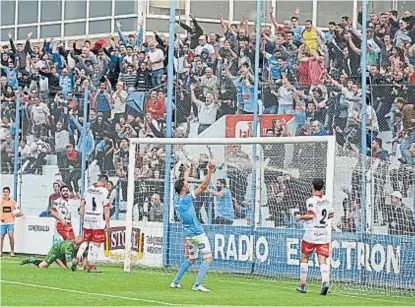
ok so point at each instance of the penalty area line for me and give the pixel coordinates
(88, 293)
(364, 297)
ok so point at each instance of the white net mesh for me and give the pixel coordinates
(256, 234)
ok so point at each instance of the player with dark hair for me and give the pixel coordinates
(195, 237)
(317, 235)
(61, 211)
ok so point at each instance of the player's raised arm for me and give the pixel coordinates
(205, 184)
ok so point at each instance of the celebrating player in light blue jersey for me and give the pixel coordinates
(225, 212)
(195, 237)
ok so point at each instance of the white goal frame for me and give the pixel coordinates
(330, 158)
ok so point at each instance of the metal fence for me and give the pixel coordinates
(269, 58)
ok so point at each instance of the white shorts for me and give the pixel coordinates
(192, 246)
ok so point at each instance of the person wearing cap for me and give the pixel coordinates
(132, 40)
(400, 218)
(204, 46)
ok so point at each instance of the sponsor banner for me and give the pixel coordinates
(147, 243)
(380, 260)
(33, 235)
(240, 126)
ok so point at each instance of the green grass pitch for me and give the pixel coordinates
(30, 286)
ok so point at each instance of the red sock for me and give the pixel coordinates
(91, 266)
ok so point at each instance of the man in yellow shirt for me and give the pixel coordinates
(8, 213)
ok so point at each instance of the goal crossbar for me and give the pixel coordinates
(229, 141)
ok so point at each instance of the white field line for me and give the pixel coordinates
(276, 285)
(88, 293)
(362, 297)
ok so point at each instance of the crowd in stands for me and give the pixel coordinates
(121, 84)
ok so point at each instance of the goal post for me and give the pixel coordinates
(253, 232)
(186, 151)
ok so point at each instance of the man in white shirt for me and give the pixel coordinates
(156, 63)
(119, 98)
(207, 110)
(61, 140)
(40, 117)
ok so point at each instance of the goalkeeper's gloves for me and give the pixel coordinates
(74, 264)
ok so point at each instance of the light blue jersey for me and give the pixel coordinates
(183, 205)
(224, 206)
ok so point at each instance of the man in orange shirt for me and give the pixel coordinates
(8, 214)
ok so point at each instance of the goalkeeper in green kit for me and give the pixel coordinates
(62, 253)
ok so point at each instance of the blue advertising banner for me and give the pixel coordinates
(381, 260)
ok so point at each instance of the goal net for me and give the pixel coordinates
(253, 232)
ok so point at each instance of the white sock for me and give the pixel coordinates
(81, 250)
(93, 254)
(303, 273)
(325, 273)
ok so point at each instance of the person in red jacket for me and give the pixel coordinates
(156, 107)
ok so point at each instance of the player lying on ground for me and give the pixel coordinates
(62, 253)
(94, 207)
(317, 235)
(61, 211)
(195, 237)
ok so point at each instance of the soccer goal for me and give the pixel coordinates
(269, 180)
(252, 232)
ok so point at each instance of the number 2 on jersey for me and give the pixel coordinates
(323, 219)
